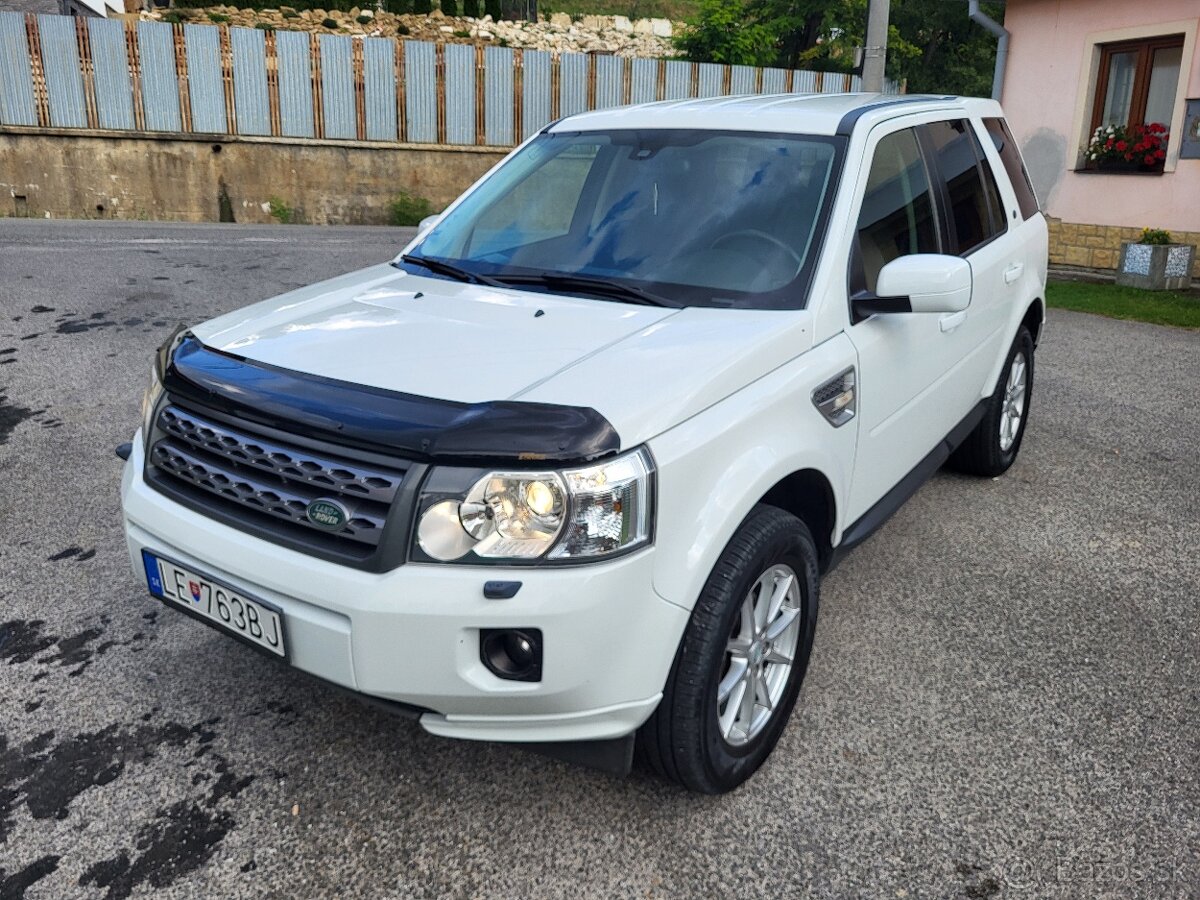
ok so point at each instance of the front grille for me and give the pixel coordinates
(259, 481)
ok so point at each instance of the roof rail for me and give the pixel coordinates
(849, 120)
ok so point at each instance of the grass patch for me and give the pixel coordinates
(407, 209)
(1178, 308)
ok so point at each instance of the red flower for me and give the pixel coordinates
(1122, 146)
(1128, 157)
(1156, 128)
(1149, 160)
(1160, 154)
(1108, 144)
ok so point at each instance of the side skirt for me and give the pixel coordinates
(873, 518)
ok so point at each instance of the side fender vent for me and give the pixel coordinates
(837, 398)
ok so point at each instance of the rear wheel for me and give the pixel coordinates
(994, 443)
(742, 659)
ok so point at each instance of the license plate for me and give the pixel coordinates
(229, 609)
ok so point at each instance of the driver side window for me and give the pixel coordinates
(897, 216)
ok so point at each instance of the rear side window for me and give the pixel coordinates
(974, 203)
(897, 216)
(989, 184)
(1011, 157)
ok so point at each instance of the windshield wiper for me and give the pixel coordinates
(584, 284)
(441, 267)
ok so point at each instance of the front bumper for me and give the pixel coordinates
(412, 634)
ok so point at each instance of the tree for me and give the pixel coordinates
(931, 43)
(935, 46)
(725, 32)
(954, 55)
(796, 24)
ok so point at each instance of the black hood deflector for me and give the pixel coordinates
(420, 428)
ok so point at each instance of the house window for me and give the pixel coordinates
(1137, 82)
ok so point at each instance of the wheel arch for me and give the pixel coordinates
(808, 495)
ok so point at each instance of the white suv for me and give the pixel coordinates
(568, 470)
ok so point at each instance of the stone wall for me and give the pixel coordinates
(559, 33)
(1099, 246)
(123, 176)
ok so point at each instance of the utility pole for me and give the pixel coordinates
(875, 52)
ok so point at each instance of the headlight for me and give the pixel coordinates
(575, 514)
(154, 390)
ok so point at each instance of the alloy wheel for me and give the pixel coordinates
(759, 655)
(1013, 408)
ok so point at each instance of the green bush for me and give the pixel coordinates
(408, 209)
(473, 8)
(265, 26)
(725, 32)
(450, 7)
(492, 8)
(1155, 236)
(217, 18)
(280, 211)
(403, 29)
(422, 7)
(329, 23)
(365, 20)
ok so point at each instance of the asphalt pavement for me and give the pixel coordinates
(1003, 700)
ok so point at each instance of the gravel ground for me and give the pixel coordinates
(1002, 700)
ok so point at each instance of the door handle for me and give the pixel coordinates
(1013, 272)
(952, 321)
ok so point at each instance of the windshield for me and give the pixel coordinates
(688, 217)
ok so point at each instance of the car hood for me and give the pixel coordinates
(643, 368)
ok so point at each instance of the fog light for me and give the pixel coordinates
(514, 654)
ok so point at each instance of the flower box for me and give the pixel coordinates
(1156, 267)
(1123, 165)
(1134, 148)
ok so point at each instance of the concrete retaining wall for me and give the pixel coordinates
(119, 176)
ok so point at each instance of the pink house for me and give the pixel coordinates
(1078, 65)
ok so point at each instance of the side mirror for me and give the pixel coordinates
(920, 283)
(428, 222)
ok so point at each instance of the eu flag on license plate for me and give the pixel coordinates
(153, 579)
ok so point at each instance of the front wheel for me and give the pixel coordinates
(994, 443)
(742, 659)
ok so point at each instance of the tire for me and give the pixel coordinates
(987, 451)
(685, 740)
